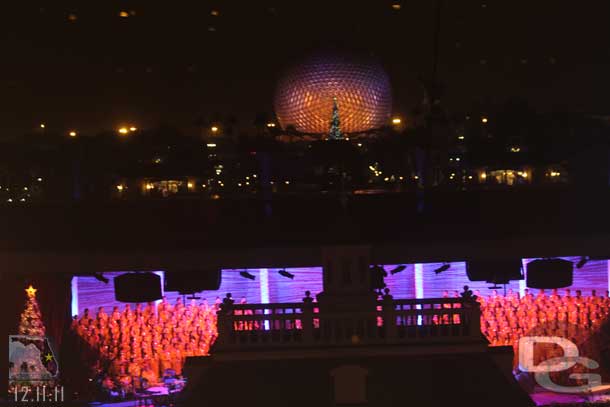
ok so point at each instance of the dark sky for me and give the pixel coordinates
(173, 60)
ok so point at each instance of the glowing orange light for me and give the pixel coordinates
(214, 129)
(42, 126)
(72, 17)
(72, 133)
(123, 14)
(31, 291)
(484, 120)
(305, 96)
(215, 13)
(132, 128)
(123, 130)
(396, 6)
(396, 120)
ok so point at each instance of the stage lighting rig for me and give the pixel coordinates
(247, 275)
(398, 269)
(100, 277)
(286, 274)
(581, 263)
(442, 268)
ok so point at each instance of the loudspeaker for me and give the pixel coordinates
(549, 273)
(195, 281)
(137, 287)
(494, 271)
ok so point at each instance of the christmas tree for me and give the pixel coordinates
(335, 129)
(31, 319)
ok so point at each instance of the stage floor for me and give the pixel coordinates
(549, 398)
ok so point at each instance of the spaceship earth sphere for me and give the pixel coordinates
(304, 95)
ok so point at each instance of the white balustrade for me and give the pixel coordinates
(304, 324)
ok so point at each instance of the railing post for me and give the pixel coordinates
(389, 316)
(307, 318)
(472, 311)
(224, 322)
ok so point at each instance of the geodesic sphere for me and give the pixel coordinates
(304, 96)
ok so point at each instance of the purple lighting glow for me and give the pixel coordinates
(416, 281)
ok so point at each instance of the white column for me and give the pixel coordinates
(419, 285)
(264, 290)
(74, 295)
(523, 283)
(608, 268)
(161, 275)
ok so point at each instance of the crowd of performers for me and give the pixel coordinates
(577, 318)
(136, 346)
(505, 319)
(143, 342)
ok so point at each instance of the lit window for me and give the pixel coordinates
(396, 6)
(123, 14)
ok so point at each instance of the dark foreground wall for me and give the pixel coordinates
(450, 380)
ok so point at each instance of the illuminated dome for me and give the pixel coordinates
(304, 96)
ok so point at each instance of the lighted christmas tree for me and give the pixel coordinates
(31, 319)
(335, 128)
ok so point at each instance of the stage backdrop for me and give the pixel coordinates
(417, 281)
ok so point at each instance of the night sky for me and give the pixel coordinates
(79, 64)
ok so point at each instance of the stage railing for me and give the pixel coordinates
(304, 324)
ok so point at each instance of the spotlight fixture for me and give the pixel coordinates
(245, 274)
(398, 269)
(286, 274)
(100, 277)
(581, 263)
(442, 268)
